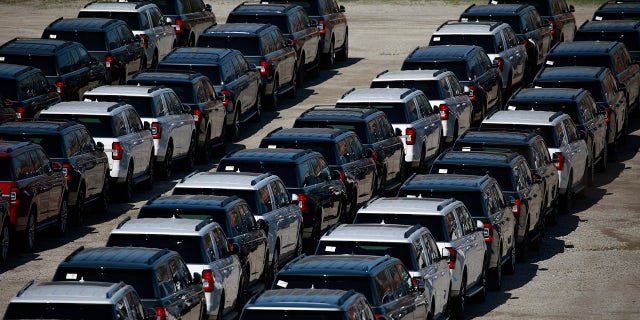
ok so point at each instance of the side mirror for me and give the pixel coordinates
(146, 125)
(368, 152)
(335, 175)
(99, 146)
(313, 24)
(398, 132)
(536, 178)
(263, 225)
(495, 64)
(295, 199)
(418, 286)
(233, 248)
(288, 43)
(47, 167)
(168, 20)
(137, 38)
(479, 225)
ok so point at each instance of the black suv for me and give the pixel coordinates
(232, 77)
(483, 197)
(321, 195)
(160, 277)
(613, 55)
(342, 150)
(189, 17)
(557, 12)
(196, 91)
(295, 25)
(384, 280)
(109, 40)
(5, 231)
(263, 45)
(625, 31)
(72, 148)
(480, 77)
(525, 21)
(523, 191)
(601, 82)
(24, 90)
(614, 10)
(67, 64)
(374, 130)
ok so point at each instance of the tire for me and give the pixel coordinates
(105, 195)
(190, 161)
(481, 295)
(234, 128)
(220, 314)
(589, 173)
(299, 244)
(151, 172)
(329, 58)
(510, 267)
(29, 235)
(271, 101)
(602, 165)
(154, 60)
(567, 198)
(63, 215)
(80, 209)
(343, 54)
(458, 303)
(5, 242)
(294, 84)
(495, 275)
(243, 293)
(205, 153)
(258, 107)
(523, 253)
(273, 270)
(126, 192)
(166, 167)
(423, 161)
(301, 73)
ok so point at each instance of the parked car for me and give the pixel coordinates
(172, 125)
(268, 199)
(453, 229)
(238, 87)
(295, 25)
(320, 194)
(617, 10)
(444, 91)
(160, 277)
(144, 19)
(70, 147)
(189, 19)
(483, 198)
(384, 280)
(625, 31)
(24, 88)
(238, 223)
(119, 128)
(413, 245)
(479, 76)
(412, 116)
(197, 93)
(304, 303)
(374, 130)
(565, 144)
(203, 246)
(498, 40)
(265, 46)
(343, 152)
(76, 300)
(37, 194)
(5, 231)
(67, 65)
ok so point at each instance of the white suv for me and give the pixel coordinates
(145, 19)
(269, 200)
(119, 128)
(444, 91)
(410, 114)
(172, 125)
(452, 227)
(413, 245)
(565, 143)
(204, 248)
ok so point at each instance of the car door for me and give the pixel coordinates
(502, 216)
(288, 217)
(517, 54)
(430, 120)
(489, 77)
(181, 125)
(86, 160)
(596, 122)
(441, 279)
(473, 241)
(139, 140)
(529, 191)
(227, 264)
(134, 51)
(577, 150)
(30, 185)
(189, 294)
(164, 32)
(361, 167)
(308, 34)
(284, 56)
(391, 146)
(212, 106)
(546, 169)
(463, 104)
(338, 22)
(332, 191)
(427, 270)
(248, 91)
(254, 240)
(50, 187)
(408, 302)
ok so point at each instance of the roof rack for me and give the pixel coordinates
(295, 260)
(193, 173)
(127, 219)
(381, 73)
(228, 200)
(157, 255)
(332, 229)
(412, 230)
(408, 92)
(274, 130)
(346, 296)
(26, 286)
(203, 223)
(260, 178)
(377, 262)
(346, 93)
(116, 105)
(555, 115)
(437, 73)
(114, 289)
(445, 203)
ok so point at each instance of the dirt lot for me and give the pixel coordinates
(587, 266)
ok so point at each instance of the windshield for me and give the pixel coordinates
(429, 87)
(360, 284)
(290, 314)
(93, 41)
(279, 21)
(435, 223)
(395, 111)
(143, 105)
(249, 46)
(142, 280)
(47, 310)
(459, 68)
(53, 144)
(487, 42)
(131, 18)
(248, 195)
(286, 171)
(402, 251)
(546, 132)
(501, 174)
(357, 127)
(98, 126)
(471, 199)
(189, 247)
(45, 63)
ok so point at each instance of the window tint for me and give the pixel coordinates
(134, 121)
(180, 273)
(465, 220)
(220, 240)
(23, 166)
(249, 46)
(173, 102)
(280, 194)
(71, 144)
(412, 111)
(264, 200)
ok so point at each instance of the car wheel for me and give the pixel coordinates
(495, 274)
(80, 208)
(510, 267)
(299, 244)
(29, 235)
(205, 153)
(126, 192)
(301, 72)
(154, 60)
(166, 167)
(481, 295)
(422, 166)
(243, 293)
(567, 198)
(329, 58)
(523, 252)
(63, 216)
(589, 173)
(343, 54)
(234, 128)
(275, 267)
(105, 195)
(220, 309)
(258, 108)
(150, 172)
(294, 84)
(190, 160)
(5, 242)
(602, 165)
(457, 309)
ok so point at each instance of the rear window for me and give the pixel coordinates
(327, 149)
(248, 195)
(288, 172)
(189, 247)
(501, 174)
(279, 21)
(395, 112)
(143, 105)
(285, 313)
(8, 89)
(7, 171)
(617, 16)
(540, 5)
(53, 144)
(93, 41)
(357, 127)
(141, 279)
(131, 18)
(211, 71)
(487, 42)
(471, 199)
(362, 284)
(47, 310)
(630, 39)
(430, 87)
(459, 68)
(435, 223)
(98, 126)
(47, 64)
(402, 251)
(249, 46)
(546, 132)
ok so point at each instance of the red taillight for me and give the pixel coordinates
(378, 315)
(374, 156)
(116, 151)
(59, 86)
(500, 62)
(145, 40)
(19, 112)
(560, 157)
(208, 280)
(108, 60)
(302, 202)
(552, 26)
(226, 95)
(7, 102)
(66, 170)
(197, 114)
(525, 42)
(156, 130)
(321, 27)
(452, 257)
(179, 26)
(411, 136)
(516, 208)
(444, 112)
(264, 67)
(472, 93)
(418, 281)
(608, 118)
(343, 177)
(487, 232)
(161, 312)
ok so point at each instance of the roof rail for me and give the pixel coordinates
(494, 25)
(377, 262)
(332, 229)
(555, 115)
(295, 260)
(381, 73)
(116, 105)
(228, 200)
(90, 3)
(274, 130)
(408, 92)
(158, 87)
(26, 286)
(127, 219)
(412, 230)
(584, 23)
(346, 93)
(409, 179)
(157, 255)
(193, 173)
(114, 289)
(366, 204)
(260, 178)
(236, 149)
(73, 254)
(302, 153)
(346, 296)
(437, 73)
(56, 20)
(203, 223)
(445, 203)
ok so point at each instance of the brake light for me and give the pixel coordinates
(293, 43)
(472, 93)
(608, 118)
(525, 42)
(500, 63)
(374, 156)
(516, 207)
(444, 112)
(59, 86)
(196, 115)
(145, 40)
(7, 102)
(343, 177)
(411, 136)
(452, 257)
(156, 130)
(418, 281)
(66, 170)
(322, 29)
(20, 112)
(487, 232)
(208, 280)
(264, 67)
(179, 24)
(302, 202)
(116, 151)
(552, 26)
(161, 312)
(226, 97)
(560, 157)
(108, 60)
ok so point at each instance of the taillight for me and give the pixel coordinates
(302, 202)
(560, 157)
(19, 112)
(197, 114)
(226, 95)
(552, 26)
(13, 196)
(487, 232)
(472, 93)
(145, 40)
(321, 26)
(7, 102)
(444, 112)
(525, 42)
(452, 257)
(179, 26)
(500, 63)
(208, 280)
(66, 170)
(156, 130)
(608, 118)
(418, 281)
(116, 151)
(293, 43)
(374, 156)
(516, 207)
(108, 60)
(59, 86)
(343, 177)
(264, 67)
(161, 312)
(411, 136)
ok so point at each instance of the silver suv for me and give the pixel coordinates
(269, 200)
(413, 245)
(411, 115)
(76, 300)
(145, 19)
(565, 143)
(454, 230)
(119, 128)
(204, 248)
(497, 39)
(444, 91)
(172, 125)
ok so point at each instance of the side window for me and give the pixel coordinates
(510, 36)
(229, 71)
(135, 306)
(452, 226)
(456, 88)
(465, 220)
(156, 17)
(173, 103)
(386, 128)
(235, 220)
(220, 241)
(208, 246)
(543, 151)
(412, 111)
(71, 143)
(144, 20)
(39, 159)
(278, 39)
(401, 279)
(446, 88)
(489, 197)
(384, 288)
(134, 121)
(180, 273)
(247, 218)
(264, 200)
(160, 109)
(560, 134)
(420, 254)
(322, 170)
(65, 62)
(201, 95)
(83, 56)
(165, 280)
(23, 166)
(280, 194)
(121, 309)
(430, 242)
(208, 89)
(113, 40)
(119, 124)
(196, 5)
(572, 135)
(356, 146)
(184, 6)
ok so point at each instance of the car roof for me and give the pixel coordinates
(269, 155)
(7, 147)
(82, 24)
(325, 299)
(424, 74)
(614, 7)
(582, 48)
(227, 180)
(469, 27)
(571, 73)
(126, 90)
(237, 29)
(540, 118)
(344, 265)
(339, 114)
(370, 232)
(12, 71)
(116, 257)
(609, 25)
(164, 226)
(38, 47)
(442, 53)
(37, 126)
(376, 95)
(547, 94)
(166, 76)
(306, 134)
(403, 205)
(84, 107)
(483, 158)
(507, 138)
(262, 8)
(196, 55)
(495, 9)
(118, 6)
(80, 292)
(457, 182)
(189, 201)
